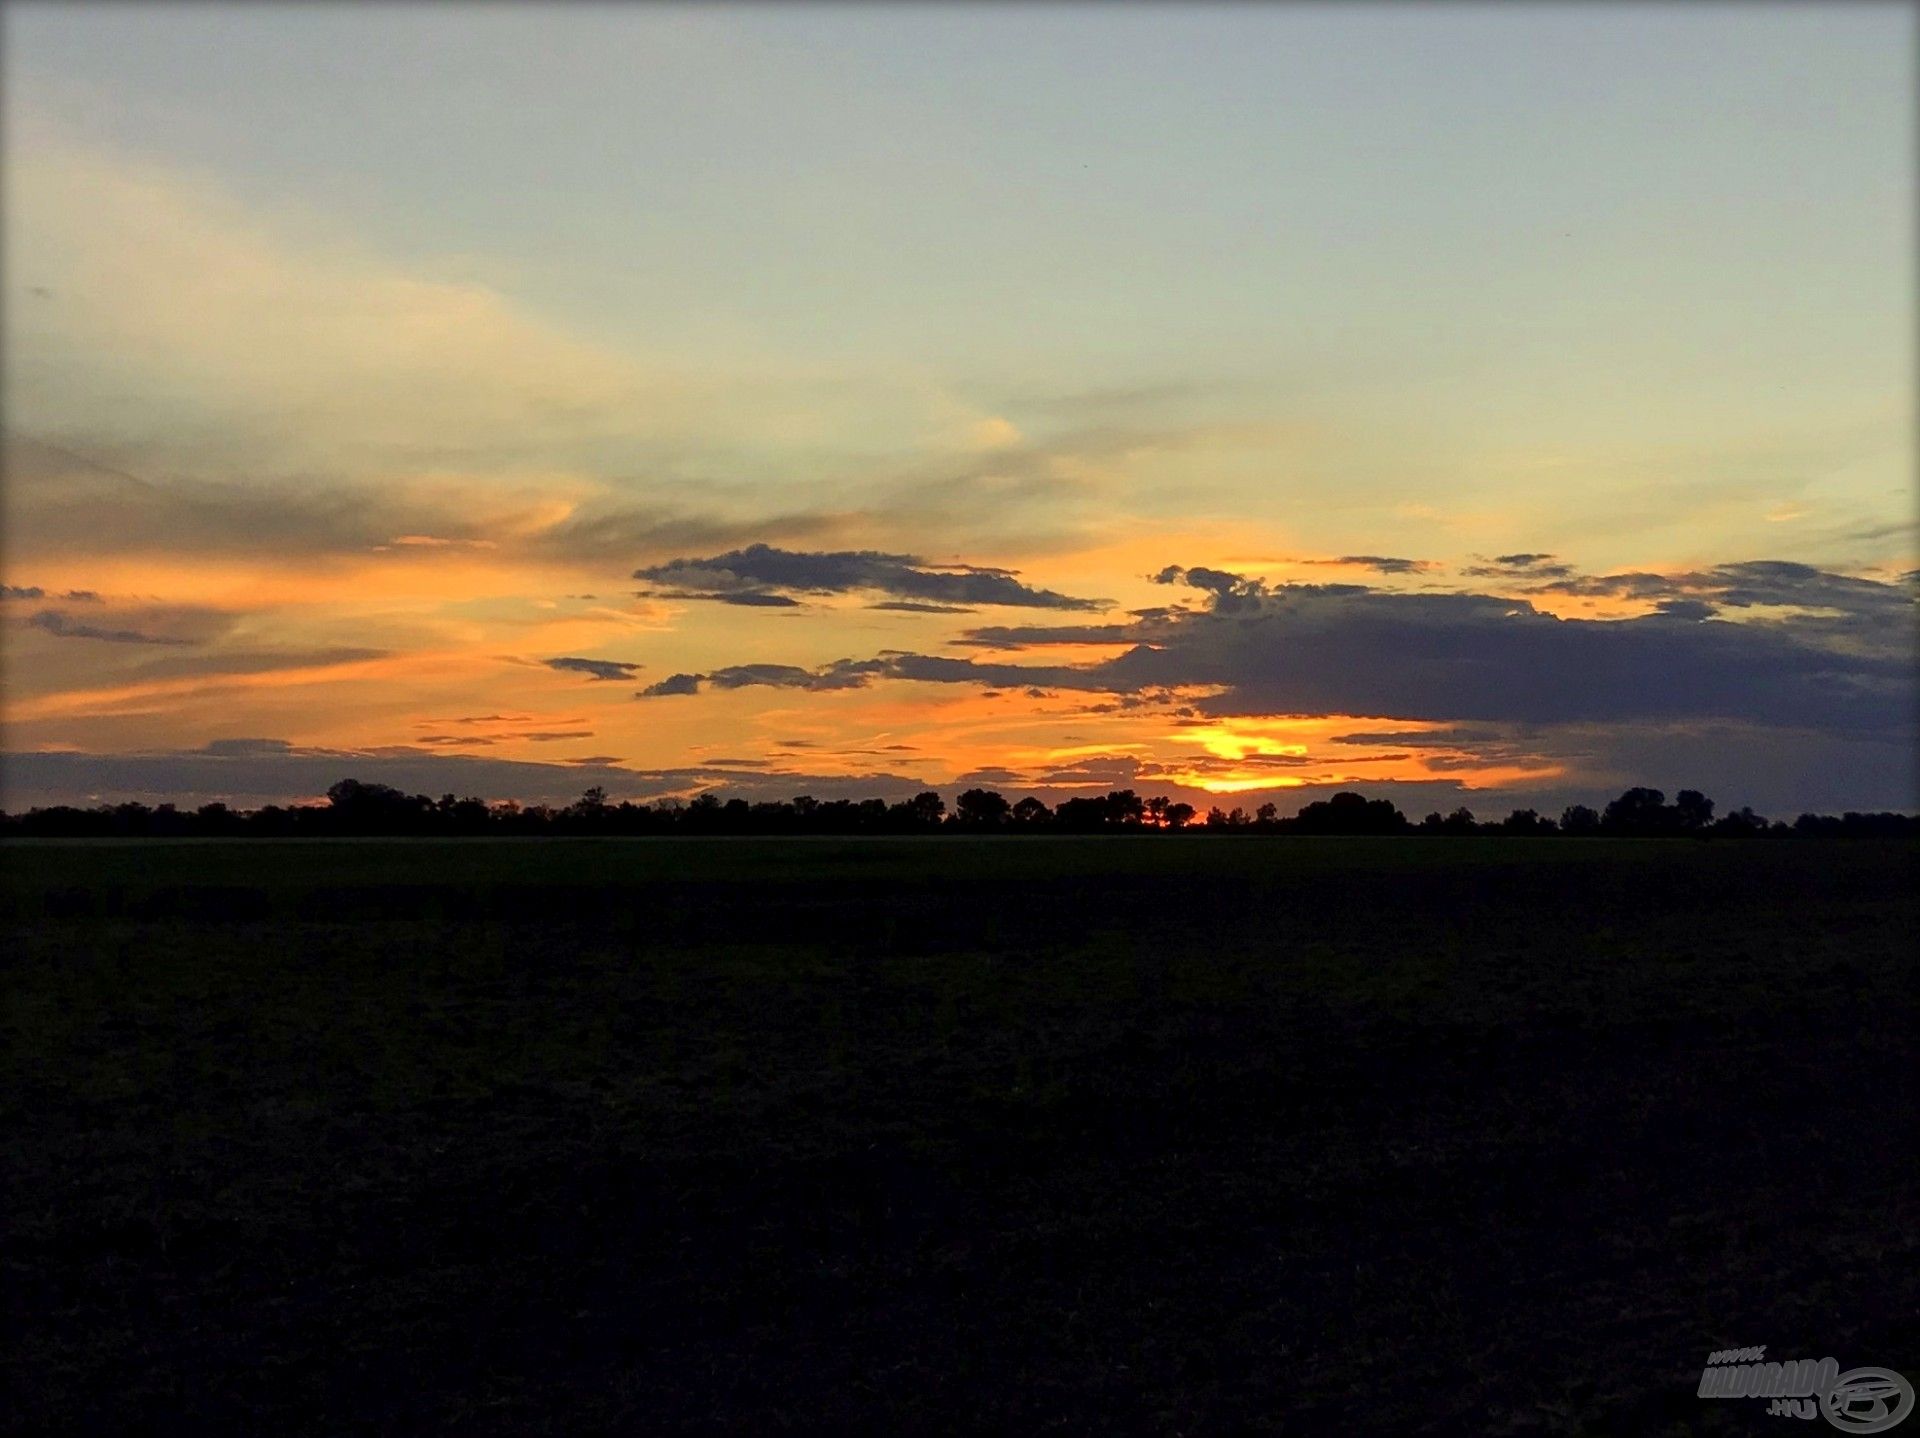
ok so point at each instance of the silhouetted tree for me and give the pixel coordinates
(356, 807)
(702, 814)
(217, 821)
(981, 809)
(1526, 822)
(1081, 815)
(1638, 812)
(918, 814)
(376, 808)
(1031, 813)
(1692, 811)
(1740, 823)
(1349, 813)
(1579, 819)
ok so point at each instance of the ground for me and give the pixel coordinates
(1169, 1135)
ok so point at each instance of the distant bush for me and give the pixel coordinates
(354, 808)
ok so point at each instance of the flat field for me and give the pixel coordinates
(1188, 1135)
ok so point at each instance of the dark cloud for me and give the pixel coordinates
(1842, 609)
(1637, 584)
(846, 674)
(1231, 592)
(22, 591)
(750, 600)
(1520, 566)
(1146, 699)
(908, 606)
(52, 621)
(672, 684)
(762, 569)
(1778, 582)
(1303, 649)
(134, 628)
(598, 669)
(849, 674)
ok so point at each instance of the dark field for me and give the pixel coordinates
(1309, 1135)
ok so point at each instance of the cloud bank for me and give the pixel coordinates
(1779, 662)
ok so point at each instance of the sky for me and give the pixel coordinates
(1484, 405)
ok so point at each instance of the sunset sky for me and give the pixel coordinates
(1468, 405)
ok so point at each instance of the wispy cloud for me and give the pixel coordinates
(61, 501)
(34, 591)
(52, 621)
(1379, 563)
(234, 310)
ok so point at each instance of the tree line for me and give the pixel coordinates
(355, 808)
